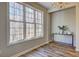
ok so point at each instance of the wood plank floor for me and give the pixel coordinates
(53, 50)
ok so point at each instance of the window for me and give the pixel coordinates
(39, 23)
(29, 23)
(25, 22)
(16, 22)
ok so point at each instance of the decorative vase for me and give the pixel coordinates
(62, 31)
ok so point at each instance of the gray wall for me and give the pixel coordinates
(6, 50)
(64, 17)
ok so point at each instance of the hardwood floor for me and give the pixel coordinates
(53, 50)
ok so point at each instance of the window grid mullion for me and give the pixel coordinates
(14, 18)
(42, 22)
(24, 16)
(34, 24)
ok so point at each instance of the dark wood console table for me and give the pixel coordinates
(64, 35)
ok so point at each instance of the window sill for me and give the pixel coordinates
(21, 41)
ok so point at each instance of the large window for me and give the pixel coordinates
(25, 22)
(16, 21)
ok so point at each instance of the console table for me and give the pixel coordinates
(64, 35)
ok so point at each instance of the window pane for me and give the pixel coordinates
(16, 11)
(30, 10)
(11, 4)
(11, 13)
(39, 30)
(42, 17)
(39, 21)
(38, 16)
(30, 20)
(16, 31)
(29, 31)
(29, 15)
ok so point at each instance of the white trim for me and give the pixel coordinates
(77, 49)
(26, 51)
(21, 41)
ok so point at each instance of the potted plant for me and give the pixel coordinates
(63, 28)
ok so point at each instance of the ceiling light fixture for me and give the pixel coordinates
(59, 5)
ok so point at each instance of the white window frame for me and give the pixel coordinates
(17, 21)
(26, 5)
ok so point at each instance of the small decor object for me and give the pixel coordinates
(63, 28)
(69, 32)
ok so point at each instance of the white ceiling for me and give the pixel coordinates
(47, 5)
(51, 8)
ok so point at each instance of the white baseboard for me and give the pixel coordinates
(23, 52)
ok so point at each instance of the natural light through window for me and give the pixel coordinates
(16, 21)
(25, 22)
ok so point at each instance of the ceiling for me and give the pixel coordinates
(51, 8)
(47, 5)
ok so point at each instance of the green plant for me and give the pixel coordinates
(63, 28)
